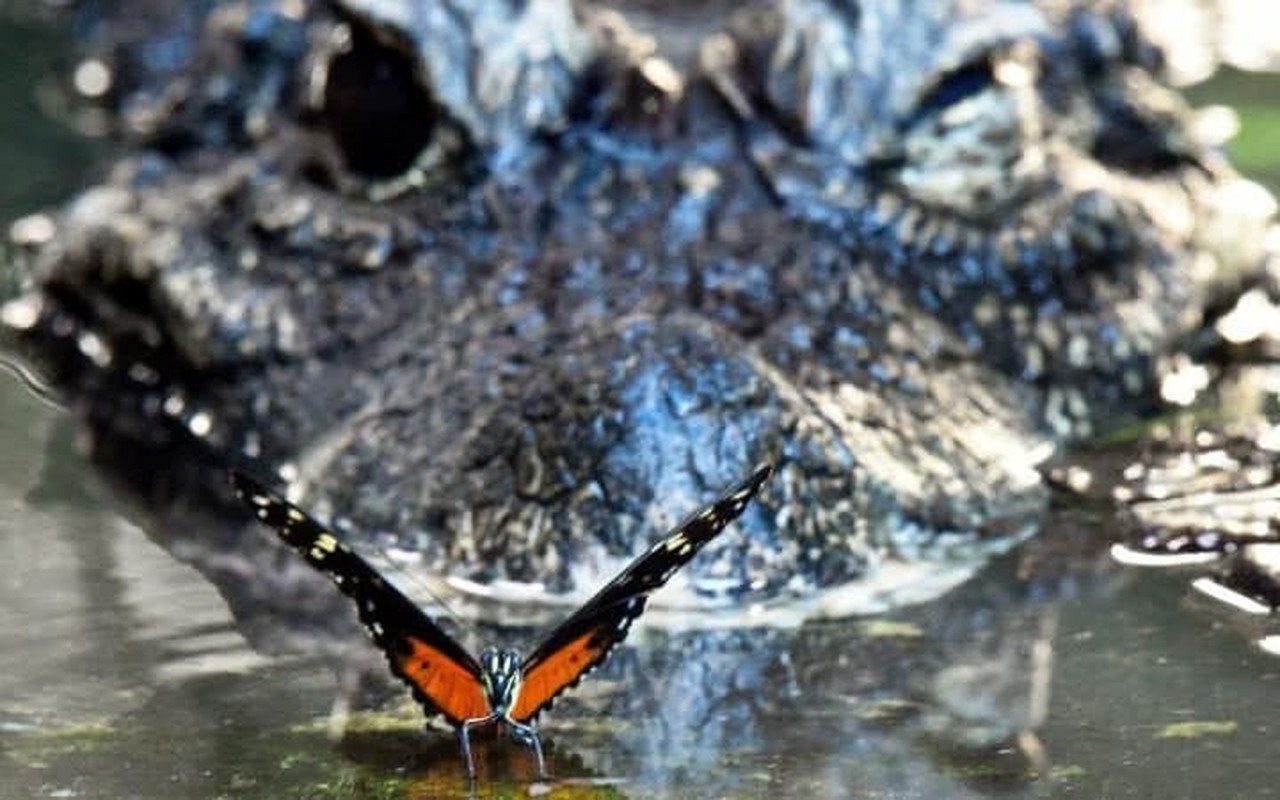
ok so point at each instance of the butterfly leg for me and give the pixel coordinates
(464, 737)
(529, 735)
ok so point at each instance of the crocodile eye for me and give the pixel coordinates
(1136, 134)
(955, 87)
(971, 142)
(377, 111)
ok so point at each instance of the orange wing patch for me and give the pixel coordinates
(557, 672)
(448, 685)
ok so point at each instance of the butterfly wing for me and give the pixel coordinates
(585, 639)
(444, 677)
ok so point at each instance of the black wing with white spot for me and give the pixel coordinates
(585, 639)
(443, 675)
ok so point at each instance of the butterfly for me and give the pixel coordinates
(499, 687)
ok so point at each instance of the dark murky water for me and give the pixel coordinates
(122, 675)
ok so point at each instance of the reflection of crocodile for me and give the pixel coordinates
(508, 278)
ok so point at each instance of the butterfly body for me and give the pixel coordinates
(499, 687)
(500, 675)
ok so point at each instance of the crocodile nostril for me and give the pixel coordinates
(380, 116)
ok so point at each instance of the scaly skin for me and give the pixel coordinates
(517, 282)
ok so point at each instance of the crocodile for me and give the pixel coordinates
(502, 287)
(502, 284)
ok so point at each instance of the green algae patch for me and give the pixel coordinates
(1196, 730)
(1066, 772)
(35, 749)
(397, 721)
(366, 785)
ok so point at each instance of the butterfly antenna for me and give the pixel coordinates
(417, 582)
(378, 555)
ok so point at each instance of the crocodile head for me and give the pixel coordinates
(520, 282)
